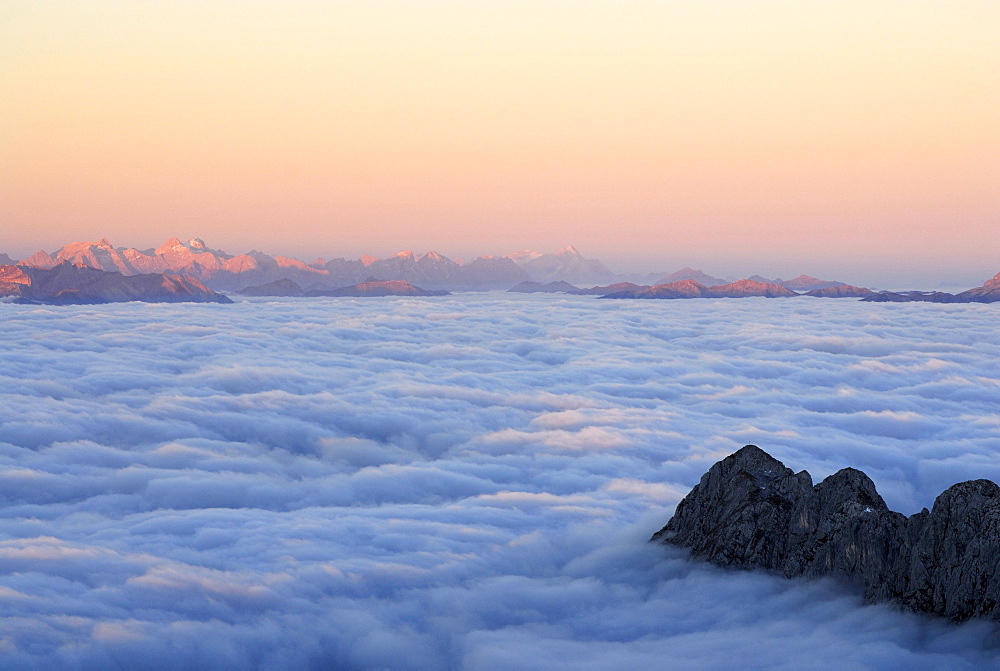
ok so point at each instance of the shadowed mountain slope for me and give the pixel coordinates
(67, 284)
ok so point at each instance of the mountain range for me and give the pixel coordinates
(989, 292)
(220, 271)
(227, 272)
(68, 284)
(369, 288)
(692, 289)
(566, 265)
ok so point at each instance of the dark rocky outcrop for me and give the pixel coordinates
(750, 511)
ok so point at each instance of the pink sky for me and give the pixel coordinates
(773, 137)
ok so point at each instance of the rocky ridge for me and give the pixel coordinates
(751, 511)
(693, 289)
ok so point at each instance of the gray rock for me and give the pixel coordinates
(750, 511)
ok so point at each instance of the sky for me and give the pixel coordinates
(460, 482)
(738, 136)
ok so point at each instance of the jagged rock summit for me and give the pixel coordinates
(751, 511)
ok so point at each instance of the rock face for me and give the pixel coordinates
(750, 511)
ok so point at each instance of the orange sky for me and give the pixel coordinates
(777, 137)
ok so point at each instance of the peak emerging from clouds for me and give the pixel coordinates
(751, 511)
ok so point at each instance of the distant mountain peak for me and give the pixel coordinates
(406, 254)
(808, 283)
(567, 264)
(196, 243)
(170, 245)
(765, 280)
(689, 273)
(40, 259)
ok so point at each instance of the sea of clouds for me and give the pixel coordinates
(462, 482)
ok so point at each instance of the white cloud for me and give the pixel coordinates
(467, 482)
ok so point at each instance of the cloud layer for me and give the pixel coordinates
(459, 482)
